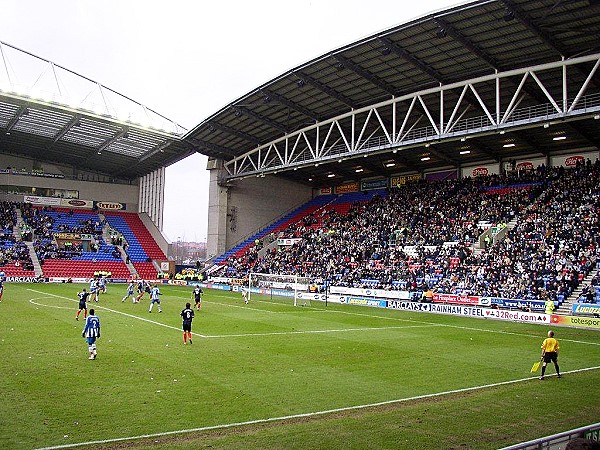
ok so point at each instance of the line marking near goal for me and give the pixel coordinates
(455, 326)
(335, 330)
(31, 300)
(97, 306)
(423, 323)
(310, 414)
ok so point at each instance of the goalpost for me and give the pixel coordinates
(294, 287)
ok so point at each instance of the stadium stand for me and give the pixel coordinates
(425, 235)
(141, 248)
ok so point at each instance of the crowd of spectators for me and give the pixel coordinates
(12, 251)
(423, 235)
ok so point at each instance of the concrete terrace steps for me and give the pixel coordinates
(566, 307)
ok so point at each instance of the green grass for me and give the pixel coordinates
(270, 360)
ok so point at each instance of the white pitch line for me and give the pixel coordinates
(46, 306)
(119, 312)
(310, 414)
(335, 330)
(375, 316)
(274, 333)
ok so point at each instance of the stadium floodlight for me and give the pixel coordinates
(508, 145)
(559, 138)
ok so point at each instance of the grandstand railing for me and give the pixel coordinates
(559, 440)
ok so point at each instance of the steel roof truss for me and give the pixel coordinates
(584, 87)
(450, 123)
(405, 121)
(435, 127)
(383, 127)
(353, 141)
(546, 93)
(348, 146)
(361, 146)
(514, 99)
(458, 119)
(410, 129)
(485, 109)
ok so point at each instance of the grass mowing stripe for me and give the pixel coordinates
(119, 312)
(310, 414)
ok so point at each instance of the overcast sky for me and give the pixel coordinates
(188, 59)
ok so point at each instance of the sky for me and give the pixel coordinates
(186, 59)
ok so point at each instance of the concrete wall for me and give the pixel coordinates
(246, 206)
(90, 186)
(122, 193)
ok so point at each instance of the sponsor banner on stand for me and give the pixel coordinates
(347, 187)
(73, 236)
(76, 203)
(456, 299)
(176, 282)
(286, 242)
(111, 206)
(370, 185)
(378, 293)
(326, 191)
(534, 305)
(402, 180)
(585, 308)
(46, 201)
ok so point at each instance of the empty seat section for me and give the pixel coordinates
(141, 244)
(145, 270)
(84, 269)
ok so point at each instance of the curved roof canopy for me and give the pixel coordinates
(50, 113)
(324, 103)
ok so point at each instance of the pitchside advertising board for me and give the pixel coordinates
(457, 305)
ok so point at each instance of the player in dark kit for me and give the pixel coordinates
(197, 296)
(188, 315)
(83, 296)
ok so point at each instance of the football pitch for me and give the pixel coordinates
(271, 375)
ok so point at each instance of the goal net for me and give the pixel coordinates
(292, 287)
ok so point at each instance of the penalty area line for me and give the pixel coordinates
(304, 415)
(119, 312)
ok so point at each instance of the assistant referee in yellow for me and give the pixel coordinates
(550, 349)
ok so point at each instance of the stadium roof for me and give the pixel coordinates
(52, 114)
(97, 129)
(473, 40)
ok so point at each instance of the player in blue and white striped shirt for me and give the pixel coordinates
(91, 332)
(154, 293)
